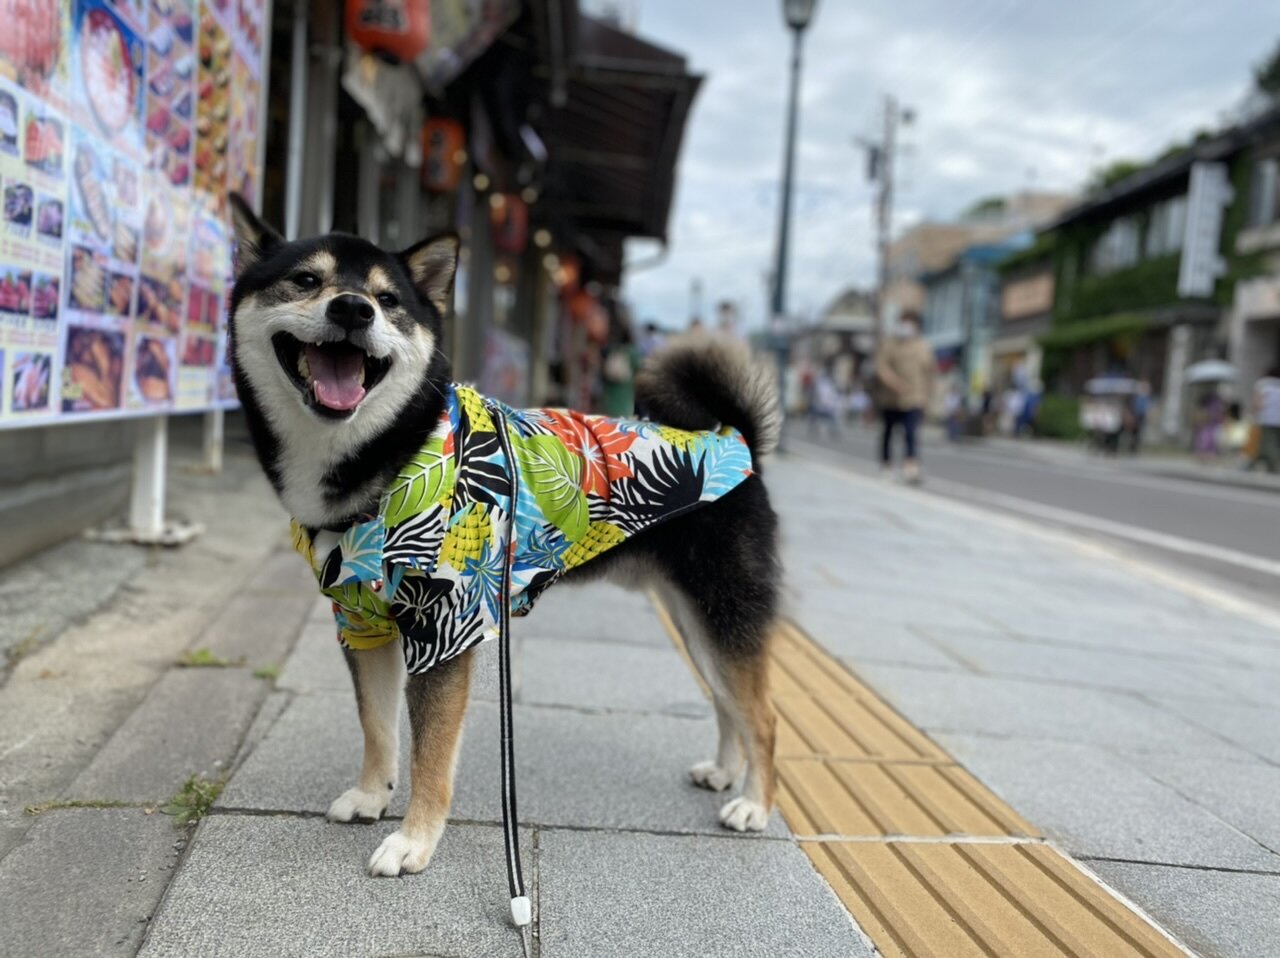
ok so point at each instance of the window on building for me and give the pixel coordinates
(1264, 192)
(1167, 226)
(1117, 248)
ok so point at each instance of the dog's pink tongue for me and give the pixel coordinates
(335, 377)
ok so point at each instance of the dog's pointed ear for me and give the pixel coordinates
(432, 265)
(254, 238)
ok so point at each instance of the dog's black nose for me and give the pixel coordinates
(349, 311)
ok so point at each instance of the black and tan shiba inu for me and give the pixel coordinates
(336, 351)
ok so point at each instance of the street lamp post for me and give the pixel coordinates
(798, 14)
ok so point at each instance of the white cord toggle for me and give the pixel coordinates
(521, 911)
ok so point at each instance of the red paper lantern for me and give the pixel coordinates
(396, 29)
(443, 154)
(509, 219)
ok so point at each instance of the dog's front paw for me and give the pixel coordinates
(710, 775)
(744, 815)
(401, 854)
(357, 805)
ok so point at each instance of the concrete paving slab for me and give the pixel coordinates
(620, 770)
(1217, 914)
(85, 881)
(594, 612)
(574, 769)
(1096, 668)
(316, 661)
(610, 677)
(258, 886)
(1242, 795)
(1251, 727)
(1019, 708)
(317, 664)
(609, 894)
(191, 722)
(860, 641)
(258, 626)
(1098, 806)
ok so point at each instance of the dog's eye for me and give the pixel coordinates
(306, 280)
(388, 300)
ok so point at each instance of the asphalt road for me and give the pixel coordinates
(1227, 535)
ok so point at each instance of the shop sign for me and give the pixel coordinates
(1207, 198)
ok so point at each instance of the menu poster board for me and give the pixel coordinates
(123, 125)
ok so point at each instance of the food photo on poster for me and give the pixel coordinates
(44, 297)
(32, 376)
(19, 209)
(49, 215)
(154, 371)
(15, 291)
(108, 64)
(170, 84)
(8, 123)
(34, 56)
(88, 288)
(93, 370)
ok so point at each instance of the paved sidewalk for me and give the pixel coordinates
(1133, 722)
(1126, 721)
(625, 856)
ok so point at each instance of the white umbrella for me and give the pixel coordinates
(1212, 371)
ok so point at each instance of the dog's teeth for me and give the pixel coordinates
(360, 375)
(304, 367)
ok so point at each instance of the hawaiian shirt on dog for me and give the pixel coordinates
(428, 569)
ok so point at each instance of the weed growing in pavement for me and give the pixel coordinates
(269, 671)
(193, 800)
(206, 659)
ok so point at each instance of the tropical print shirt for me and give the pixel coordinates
(428, 569)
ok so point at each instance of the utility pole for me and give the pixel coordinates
(881, 156)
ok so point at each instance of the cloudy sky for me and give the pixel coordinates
(1010, 94)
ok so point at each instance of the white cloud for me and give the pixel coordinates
(1010, 93)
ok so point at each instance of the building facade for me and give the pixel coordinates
(1171, 265)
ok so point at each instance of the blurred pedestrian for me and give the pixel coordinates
(904, 370)
(859, 405)
(1139, 407)
(824, 404)
(1266, 413)
(618, 373)
(953, 411)
(1209, 419)
(650, 339)
(1026, 424)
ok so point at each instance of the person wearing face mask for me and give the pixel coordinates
(904, 370)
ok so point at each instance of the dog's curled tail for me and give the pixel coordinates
(700, 381)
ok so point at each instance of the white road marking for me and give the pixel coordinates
(1119, 530)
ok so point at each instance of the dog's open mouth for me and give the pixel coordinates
(333, 377)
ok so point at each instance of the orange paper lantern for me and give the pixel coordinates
(396, 29)
(443, 153)
(509, 219)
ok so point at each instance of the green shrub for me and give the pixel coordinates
(1059, 417)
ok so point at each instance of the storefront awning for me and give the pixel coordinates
(614, 144)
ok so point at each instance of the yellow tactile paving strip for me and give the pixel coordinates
(928, 860)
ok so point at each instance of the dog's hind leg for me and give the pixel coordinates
(437, 701)
(737, 675)
(378, 677)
